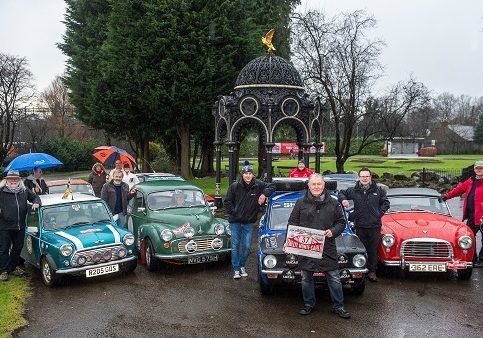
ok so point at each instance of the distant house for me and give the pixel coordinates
(404, 146)
(452, 139)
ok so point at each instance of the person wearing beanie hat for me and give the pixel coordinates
(242, 203)
(13, 211)
(300, 170)
(472, 205)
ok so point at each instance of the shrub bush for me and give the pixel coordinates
(75, 155)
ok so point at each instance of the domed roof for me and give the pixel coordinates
(269, 71)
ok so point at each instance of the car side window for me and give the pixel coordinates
(139, 202)
(33, 219)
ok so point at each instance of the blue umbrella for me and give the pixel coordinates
(31, 160)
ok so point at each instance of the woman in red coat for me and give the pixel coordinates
(472, 205)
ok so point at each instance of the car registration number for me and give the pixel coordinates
(103, 270)
(420, 267)
(202, 259)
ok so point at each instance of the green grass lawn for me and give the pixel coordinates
(13, 295)
(377, 164)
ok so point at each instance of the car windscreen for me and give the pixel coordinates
(82, 188)
(280, 212)
(178, 198)
(418, 203)
(74, 214)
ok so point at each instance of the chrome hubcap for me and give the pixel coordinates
(148, 255)
(46, 273)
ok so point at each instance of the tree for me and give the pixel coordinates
(16, 93)
(478, 135)
(57, 99)
(340, 65)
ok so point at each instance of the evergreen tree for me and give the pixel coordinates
(478, 135)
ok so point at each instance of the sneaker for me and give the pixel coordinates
(341, 313)
(306, 310)
(4, 276)
(243, 272)
(372, 277)
(18, 272)
(237, 275)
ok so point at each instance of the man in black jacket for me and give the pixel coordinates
(370, 204)
(242, 203)
(318, 210)
(116, 194)
(13, 211)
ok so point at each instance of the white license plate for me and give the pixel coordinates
(103, 270)
(427, 267)
(202, 259)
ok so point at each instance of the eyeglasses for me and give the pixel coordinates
(364, 176)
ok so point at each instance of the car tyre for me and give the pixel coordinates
(464, 274)
(152, 263)
(129, 267)
(359, 287)
(49, 276)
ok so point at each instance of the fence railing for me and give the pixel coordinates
(448, 173)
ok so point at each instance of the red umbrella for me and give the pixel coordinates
(108, 155)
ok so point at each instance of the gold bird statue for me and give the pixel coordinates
(267, 40)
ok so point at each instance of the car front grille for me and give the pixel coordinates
(202, 244)
(89, 254)
(427, 247)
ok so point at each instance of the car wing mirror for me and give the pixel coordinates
(141, 209)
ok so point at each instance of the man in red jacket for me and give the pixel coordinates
(472, 205)
(300, 170)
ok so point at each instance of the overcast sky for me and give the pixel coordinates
(439, 42)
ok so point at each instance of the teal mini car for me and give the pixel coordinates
(76, 236)
(173, 223)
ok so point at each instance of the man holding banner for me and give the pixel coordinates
(318, 210)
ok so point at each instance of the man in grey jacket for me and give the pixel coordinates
(13, 210)
(116, 194)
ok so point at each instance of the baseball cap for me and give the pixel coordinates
(479, 164)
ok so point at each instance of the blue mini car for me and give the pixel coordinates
(76, 236)
(276, 268)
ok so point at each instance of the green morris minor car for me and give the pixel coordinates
(172, 222)
(76, 236)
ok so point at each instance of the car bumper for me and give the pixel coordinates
(87, 267)
(451, 265)
(277, 276)
(184, 257)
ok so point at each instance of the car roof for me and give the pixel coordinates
(54, 199)
(412, 192)
(341, 177)
(73, 181)
(160, 185)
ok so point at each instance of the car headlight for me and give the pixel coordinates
(270, 261)
(128, 239)
(66, 250)
(359, 260)
(465, 242)
(219, 229)
(228, 231)
(388, 240)
(166, 235)
(189, 232)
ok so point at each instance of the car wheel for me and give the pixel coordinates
(359, 286)
(152, 263)
(129, 267)
(465, 274)
(49, 277)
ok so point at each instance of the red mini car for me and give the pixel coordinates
(419, 233)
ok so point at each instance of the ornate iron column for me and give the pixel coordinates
(218, 198)
(269, 147)
(317, 146)
(231, 162)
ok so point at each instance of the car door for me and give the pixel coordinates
(136, 215)
(31, 248)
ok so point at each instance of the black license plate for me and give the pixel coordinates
(203, 259)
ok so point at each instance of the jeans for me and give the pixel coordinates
(370, 237)
(333, 282)
(121, 221)
(241, 239)
(478, 256)
(11, 244)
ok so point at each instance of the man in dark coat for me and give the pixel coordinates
(97, 178)
(318, 210)
(370, 204)
(242, 204)
(13, 211)
(116, 194)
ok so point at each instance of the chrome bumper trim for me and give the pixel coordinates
(84, 268)
(405, 264)
(279, 272)
(183, 256)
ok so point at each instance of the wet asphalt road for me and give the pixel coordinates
(204, 301)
